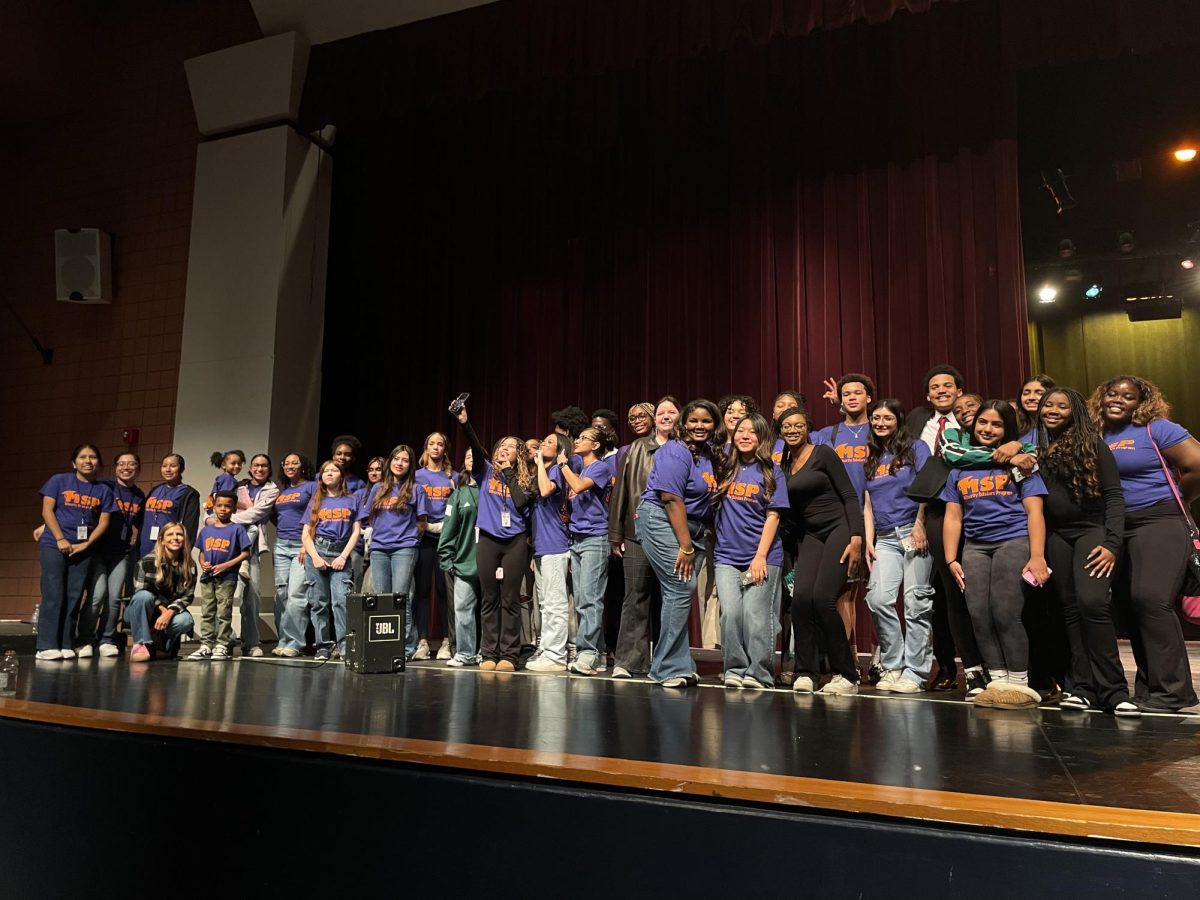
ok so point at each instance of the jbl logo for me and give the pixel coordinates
(384, 628)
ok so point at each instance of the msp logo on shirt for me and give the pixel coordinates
(214, 543)
(710, 480)
(437, 492)
(80, 501)
(743, 492)
(972, 487)
(284, 499)
(497, 487)
(159, 505)
(1126, 444)
(849, 453)
(333, 514)
(129, 507)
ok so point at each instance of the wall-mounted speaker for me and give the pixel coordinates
(83, 265)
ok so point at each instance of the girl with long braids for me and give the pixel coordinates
(395, 507)
(507, 487)
(749, 554)
(897, 550)
(1085, 523)
(1133, 417)
(676, 506)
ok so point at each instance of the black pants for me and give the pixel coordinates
(1147, 590)
(500, 605)
(429, 577)
(1094, 671)
(614, 599)
(820, 577)
(643, 597)
(952, 628)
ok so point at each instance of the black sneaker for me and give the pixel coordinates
(976, 683)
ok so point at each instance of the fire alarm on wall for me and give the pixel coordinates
(131, 435)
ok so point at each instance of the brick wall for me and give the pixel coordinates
(117, 152)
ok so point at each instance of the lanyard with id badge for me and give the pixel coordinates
(81, 530)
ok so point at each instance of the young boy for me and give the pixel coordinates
(223, 547)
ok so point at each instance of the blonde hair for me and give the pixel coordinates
(525, 476)
(423, 462)
(162, 562)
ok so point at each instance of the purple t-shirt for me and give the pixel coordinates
(1142, 475)
(743, 514)
(991, 502)
(550, 518)
(675, 472)
(890, 506)
(130, 507)
(221, 543)
(76, 503)
(223, 482)
(494, 500)
(394, 527)
(354, 484)
(777, 451)
(291, 509)
(335, 518)
(437, 487)
(164, 505)
(589, 510)
(851, 449)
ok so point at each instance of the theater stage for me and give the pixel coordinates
(590, 761)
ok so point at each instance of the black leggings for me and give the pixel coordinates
(952, 626)
(1147, 589)
(500, 605)
(429, 576)
(820, 578)
(1095, 671)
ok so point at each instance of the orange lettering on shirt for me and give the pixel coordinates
(212, 543)
(1127, 444)
(437, 491)
(847, 453)
(157, 505)
(335, 514)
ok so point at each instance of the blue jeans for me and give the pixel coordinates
(672, 654)
(589, 577)
(64, 579)
(289, 582)
(141, 614)
(550, 585)
(327, 590)
(110, 576)
(466, 604)
(251, 594)
(392, 573)
(749, 622)
(910, 653)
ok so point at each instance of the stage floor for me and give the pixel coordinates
(927, 757)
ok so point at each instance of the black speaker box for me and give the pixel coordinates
(375, 625)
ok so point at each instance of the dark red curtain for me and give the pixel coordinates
(757, 214)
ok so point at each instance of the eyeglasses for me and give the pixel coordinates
(883, 420)
(639, 417)
(793, 428)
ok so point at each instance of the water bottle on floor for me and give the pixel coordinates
(8, 673)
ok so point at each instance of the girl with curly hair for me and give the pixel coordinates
(1134, 419)
(507, 488)
(1085, 522)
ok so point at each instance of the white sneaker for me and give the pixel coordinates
(731, 680)
(444, 650)
(85, 652)
(620, 672)
(109, 650)
(752, 684)
(888, 681)
(67, 654)
(220, 652)
(422, 650)
(839, 686)
(802, 684)
(255, 652)
(456, 662)
(542, 664)
(204, 653)
(905, 686)
(48, 654)
(677, 682)
(580, 667)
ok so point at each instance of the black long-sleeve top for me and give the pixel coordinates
(1070, 518)
(822, 496)
(480, 458)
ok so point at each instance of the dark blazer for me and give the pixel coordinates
(916, 419)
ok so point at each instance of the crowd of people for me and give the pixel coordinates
(1016, 537)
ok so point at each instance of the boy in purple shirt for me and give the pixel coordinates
(223, 547)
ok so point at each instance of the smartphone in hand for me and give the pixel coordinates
(458, 403)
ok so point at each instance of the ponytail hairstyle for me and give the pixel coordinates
(605, 439)
(218, 458)
(320, 492)
(718, 435)
(729, 463)
(391, 482)
(445, 468)
(166, 568)
(900, 444)
(1071, 457)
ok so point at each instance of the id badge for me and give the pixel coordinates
(154, 532)
(81, 533)
(505, 518)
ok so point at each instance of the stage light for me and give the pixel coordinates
(1185, 154)
(1093, 293)
(1125, 242)
(1066, 249)
(1187, 263)
(1047, 293)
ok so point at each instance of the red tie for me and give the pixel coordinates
(937, 441)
